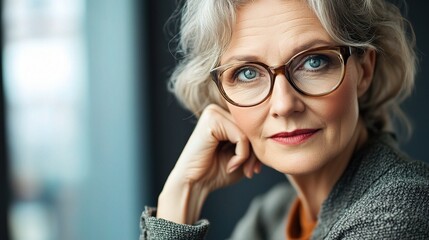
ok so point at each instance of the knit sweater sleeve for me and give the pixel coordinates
(152, 228)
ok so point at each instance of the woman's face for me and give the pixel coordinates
(289, 132)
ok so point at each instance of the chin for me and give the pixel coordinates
(296, 168)
(296, 163)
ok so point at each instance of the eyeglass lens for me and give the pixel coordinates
(312, 73)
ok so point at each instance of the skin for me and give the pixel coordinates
(229, 144)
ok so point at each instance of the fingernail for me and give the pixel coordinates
(249, 173)
(258, 168)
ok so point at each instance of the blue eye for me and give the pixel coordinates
(315, 62)
(247, 74)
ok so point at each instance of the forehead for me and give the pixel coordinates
(272, 30)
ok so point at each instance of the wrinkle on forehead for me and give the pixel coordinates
(264, 24)
(248, 13)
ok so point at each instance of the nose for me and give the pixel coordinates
(284, 100)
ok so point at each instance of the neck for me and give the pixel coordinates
(313, 188)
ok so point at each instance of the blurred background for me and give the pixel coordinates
(88, 130)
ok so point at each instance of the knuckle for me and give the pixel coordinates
(210, 113)
(211, 109)
(243, 138)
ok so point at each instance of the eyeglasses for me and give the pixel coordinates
(313, 72)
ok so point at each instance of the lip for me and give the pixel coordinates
(295, 137)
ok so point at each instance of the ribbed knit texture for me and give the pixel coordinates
(161, 229)
(381, 195)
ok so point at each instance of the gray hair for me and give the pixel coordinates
(205, 32)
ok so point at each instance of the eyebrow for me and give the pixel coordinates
(296, 50)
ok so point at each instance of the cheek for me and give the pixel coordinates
(341, 106)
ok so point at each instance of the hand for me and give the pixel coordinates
(216, 148)
(217, 154)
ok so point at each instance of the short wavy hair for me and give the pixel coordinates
(206, 29)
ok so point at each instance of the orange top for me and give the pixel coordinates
(297, 225)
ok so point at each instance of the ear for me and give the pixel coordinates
(366, 71)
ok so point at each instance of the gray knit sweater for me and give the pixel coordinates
(381, 195)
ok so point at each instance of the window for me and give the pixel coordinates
(45, 84)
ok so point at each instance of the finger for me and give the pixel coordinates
(240, 157)
(223, 128)
(226, 130)
(220, 124)
(233, 164)
(250, 165)
(228, 156)
(258, 167)
(221, 111)
(250, 161)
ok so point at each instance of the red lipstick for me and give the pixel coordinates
(295, 137)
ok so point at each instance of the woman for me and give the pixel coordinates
(309, 88)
